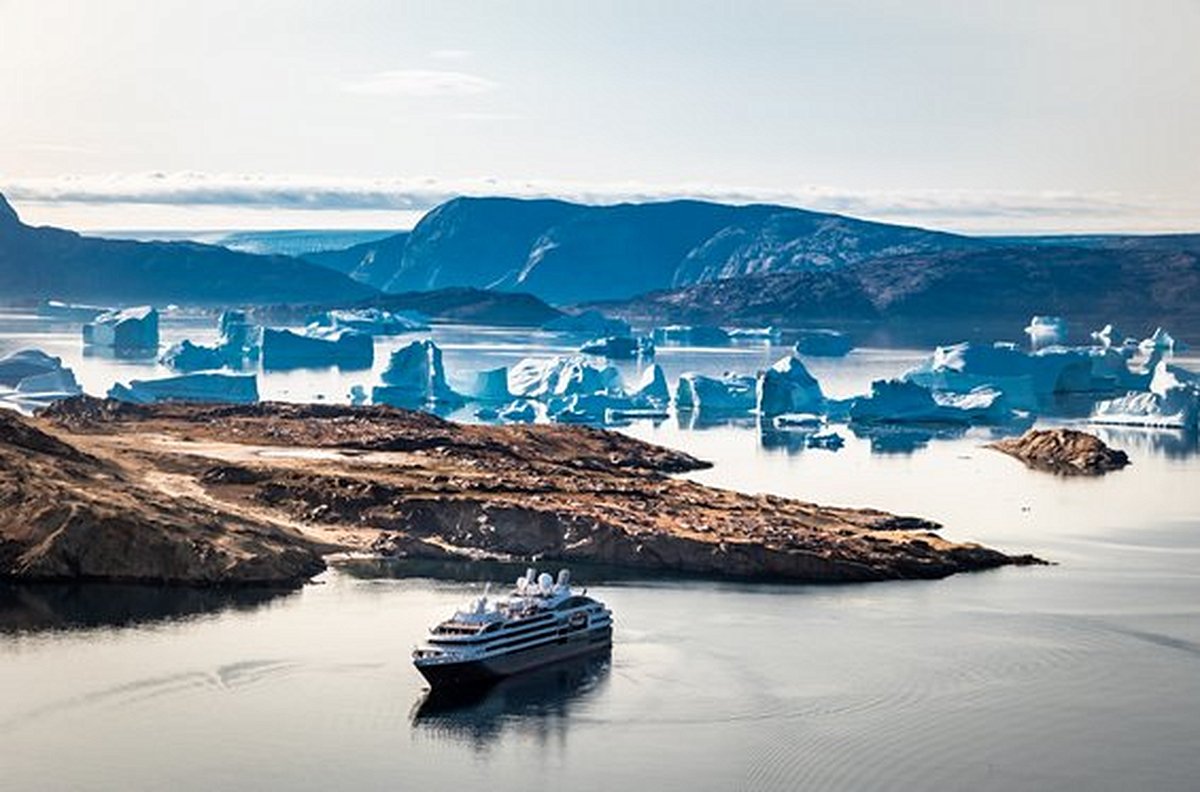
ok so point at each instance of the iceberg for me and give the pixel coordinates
(490, 386)
(372, 321)
(588, 407)
(221, 388)
(1110, 337)
(727, 393)
(619, 347)
(316, 347)
(591, 322)
(542, 378)
(901, 402)
(187, 357)
(690, 335)
(798, 421)
(238, 336)
(1044, 331)
(822, 343)
(414, 378)
(30, 378)
(652, 390)
(830, 441)
(788, 387)
(1172, 401)
(132, 329)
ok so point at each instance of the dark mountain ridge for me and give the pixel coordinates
(50, 263)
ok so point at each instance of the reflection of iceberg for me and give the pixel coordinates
(537, 703)
(208, 388)
(132, 329)
(896, 439)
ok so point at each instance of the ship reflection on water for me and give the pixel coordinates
(539, 704)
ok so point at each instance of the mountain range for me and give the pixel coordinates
(50, 263)
(566, 252)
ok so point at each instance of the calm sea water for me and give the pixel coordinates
(1081, 675)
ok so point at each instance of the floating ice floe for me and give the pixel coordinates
(69, 312)
(619, 347)
(221, 388)
(767, 334)
(729, 393)
(1044, 331)
(798, 421)
(788, 387)
(414, 378)
(29, 378)
(691, 335)
(490, 385)
(591, 322)
(1173, 401)
(372, 321)
(131, 329)
(900, 402)
(823, 343)
(316, 347)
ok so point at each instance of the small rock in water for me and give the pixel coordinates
(1065, 451)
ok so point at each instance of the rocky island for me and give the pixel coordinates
(260, 494)
(1067, 452)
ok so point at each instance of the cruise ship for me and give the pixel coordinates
(541, 622)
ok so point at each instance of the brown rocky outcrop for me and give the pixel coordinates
(1064, 451)
(274, 481)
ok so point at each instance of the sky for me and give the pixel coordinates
(985, 117)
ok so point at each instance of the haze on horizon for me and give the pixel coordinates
(990, 117)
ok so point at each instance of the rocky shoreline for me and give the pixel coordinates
(260, 494)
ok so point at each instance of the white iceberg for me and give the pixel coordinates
(591, 322)
(1110, 337)
(30, 378)
(219, 388)
(1044, 331)
(728, 393)
(1173, 401)
(490, 385)
(316, 347)
(822, 343)
(131, 329)
(372, 321)
(691, 335)
(901, 402)
(788, 387)
(415, 377)
(652, 390)
(542, 378)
